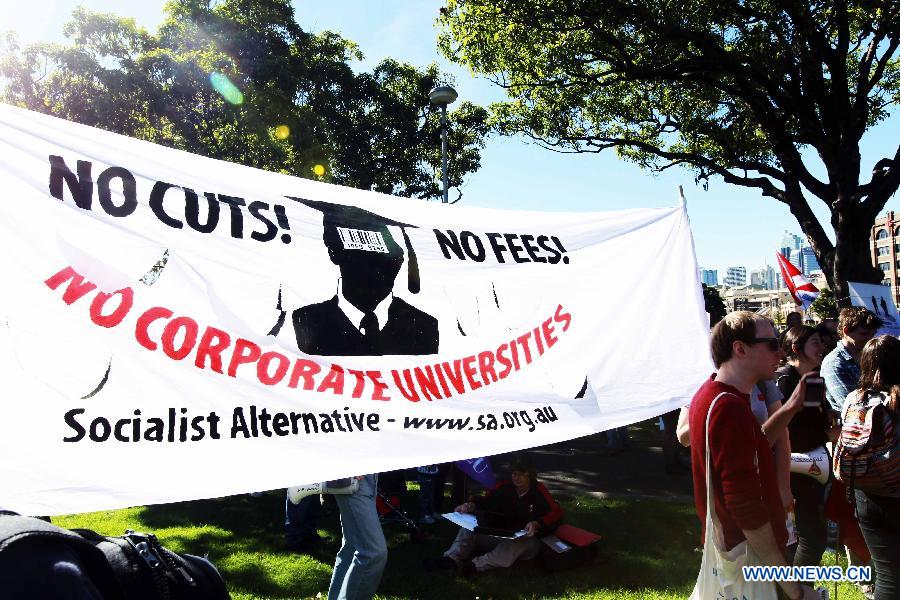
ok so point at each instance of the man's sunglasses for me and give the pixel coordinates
(773, 342)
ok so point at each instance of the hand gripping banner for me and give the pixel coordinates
(176, 327)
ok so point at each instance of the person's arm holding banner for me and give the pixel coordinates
(683, 429)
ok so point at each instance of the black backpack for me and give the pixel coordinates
(39, 559)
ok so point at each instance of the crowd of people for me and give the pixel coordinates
(751, 416)
(744, 424)
(743, 427)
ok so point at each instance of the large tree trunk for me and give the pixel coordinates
(852, 256)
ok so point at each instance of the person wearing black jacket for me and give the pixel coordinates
(520, 503)
(807, 431)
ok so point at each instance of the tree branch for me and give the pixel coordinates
(598, 144)
(883, 184)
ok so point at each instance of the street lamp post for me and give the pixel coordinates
(442, 96)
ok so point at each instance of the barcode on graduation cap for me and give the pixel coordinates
(360, 239)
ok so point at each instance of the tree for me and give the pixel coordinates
(714, 304)
(754, 92)
(240, 80)
(778, 318)
(825, 306)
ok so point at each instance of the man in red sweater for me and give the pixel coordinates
(745, 349)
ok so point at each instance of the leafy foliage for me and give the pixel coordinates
(825, 306)
(240, 80)
(737, 90)
(714, 304)
(778, 318)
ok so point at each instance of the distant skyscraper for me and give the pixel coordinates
(792, 254)
(790, 248)
(772, 278)
(758, 277)
(736, 276)
(709, 276)
(808, 261)
(794, 242)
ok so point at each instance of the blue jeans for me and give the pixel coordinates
(426, 493)
(879, 520)
(363, 553)
(617, 439)
(300, 519)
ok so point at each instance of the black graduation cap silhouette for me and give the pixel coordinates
(349, 229)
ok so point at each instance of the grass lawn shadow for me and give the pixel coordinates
(647, 544)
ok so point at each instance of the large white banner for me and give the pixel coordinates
(293, 331)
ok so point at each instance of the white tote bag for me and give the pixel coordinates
(720, 574)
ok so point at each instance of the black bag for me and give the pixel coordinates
(134, 566)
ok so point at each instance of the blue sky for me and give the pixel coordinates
(732, 226)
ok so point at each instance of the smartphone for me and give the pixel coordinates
(815, 392)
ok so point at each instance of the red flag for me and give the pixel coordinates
(801, 289)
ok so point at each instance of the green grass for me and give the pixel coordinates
(649, 546)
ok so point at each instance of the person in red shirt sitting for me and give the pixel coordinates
(745, 349)
(520, 503)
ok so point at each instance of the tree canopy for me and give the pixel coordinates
(765, 94)
(240, 80)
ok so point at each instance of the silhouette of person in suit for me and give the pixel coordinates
(885, 313)
(364, 318)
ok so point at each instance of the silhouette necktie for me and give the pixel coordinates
(369, 326)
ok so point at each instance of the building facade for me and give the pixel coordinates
(709, 276)
(808, 261)
(792, 241)
(736, 276)
(758, 278)
(773, 278)
(885, 245)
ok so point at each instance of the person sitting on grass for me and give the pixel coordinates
(516, 504)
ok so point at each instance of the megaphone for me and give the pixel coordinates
(815, 463)
(348, 485)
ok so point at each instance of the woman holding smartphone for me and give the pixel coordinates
(808, 430)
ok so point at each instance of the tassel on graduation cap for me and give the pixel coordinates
(282, 315)
(349, 228)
